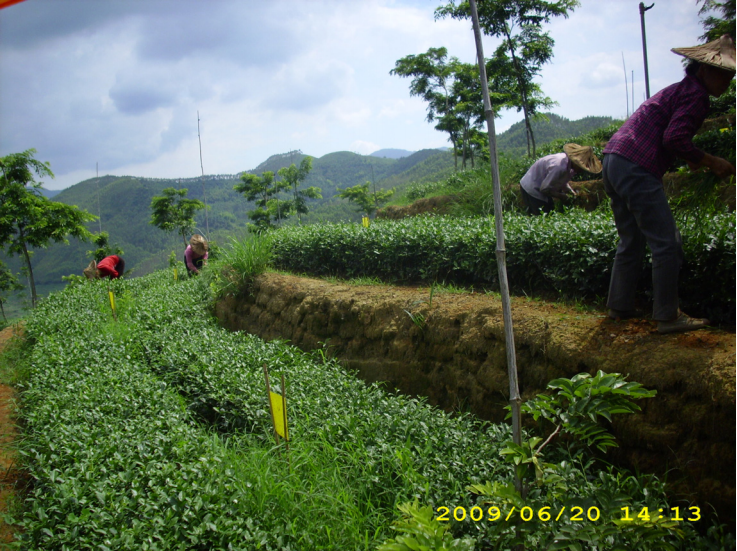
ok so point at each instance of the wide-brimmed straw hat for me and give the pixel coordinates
(91, 271)
(198, 244)
(718, 53)
(583, 157)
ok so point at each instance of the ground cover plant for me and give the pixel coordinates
(569, 254)
(152, 432)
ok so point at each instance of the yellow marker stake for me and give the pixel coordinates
(278, 407)
(365, 221)
(112, 303)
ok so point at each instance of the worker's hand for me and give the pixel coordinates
(721, 167)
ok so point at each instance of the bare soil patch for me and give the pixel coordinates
(12, 479)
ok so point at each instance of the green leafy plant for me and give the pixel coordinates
(173, 212)
(420, 531)
(569, 254)
(238, 264)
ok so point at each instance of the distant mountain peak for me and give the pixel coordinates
(391, 153)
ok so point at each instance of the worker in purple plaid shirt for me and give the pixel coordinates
(636, 158)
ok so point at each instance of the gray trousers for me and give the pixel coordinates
(642, 215)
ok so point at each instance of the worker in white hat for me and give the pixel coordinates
(550, 176)
(636, 158)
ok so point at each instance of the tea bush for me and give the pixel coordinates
(570, 254)
(151, 432)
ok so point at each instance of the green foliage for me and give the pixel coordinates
(261, 190)
(173, 212)
(237, 264)
(724, 104)
(519, 57)
(153, 432)
(8, 285)
(577, 404)
(104, 248)
(293, 177)
(570, 254)
(27, 219)
(719, 19)
(512, 142)
(421, 532)
(366, 201)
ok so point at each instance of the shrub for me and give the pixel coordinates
(570, 254)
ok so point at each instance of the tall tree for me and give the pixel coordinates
(293, 176)
(714, 25)
(367, 201)
(261, 190)
(172, 211)
(524, 49)
(29, 220)
(432, 76)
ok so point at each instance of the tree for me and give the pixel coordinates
(261, 190)
(367, 202)
(293, 177)
(525, 48)
(715, 26)
(432, 76)
(453, 93)
(103, 247)
(172, 211)
(27, 219)
(8, 285)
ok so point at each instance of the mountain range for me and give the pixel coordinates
(124, 201)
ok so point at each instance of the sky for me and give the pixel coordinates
(118, 84)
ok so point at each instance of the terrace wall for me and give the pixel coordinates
(457, 359)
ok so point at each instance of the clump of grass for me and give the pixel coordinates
(14, 359)
(238, 264)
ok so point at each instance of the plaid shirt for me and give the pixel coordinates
(662, 128)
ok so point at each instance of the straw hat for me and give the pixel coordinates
(91, 271)
(198, 244)
(718, 53)
(583, 157)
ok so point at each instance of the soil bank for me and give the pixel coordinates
(453, 352)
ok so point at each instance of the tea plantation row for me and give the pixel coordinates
(566, 253)
(152, 432)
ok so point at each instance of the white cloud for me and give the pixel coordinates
(364, 148)
(120, 82)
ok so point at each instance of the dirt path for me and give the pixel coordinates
(11, 478)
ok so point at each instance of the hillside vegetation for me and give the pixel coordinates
(124, 201)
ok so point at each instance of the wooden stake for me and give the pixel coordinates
(286, 425)
(268, 397)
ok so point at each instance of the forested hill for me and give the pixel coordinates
(514, 142)
(124, 201)
(124, 206)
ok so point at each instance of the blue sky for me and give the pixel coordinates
(120, 82)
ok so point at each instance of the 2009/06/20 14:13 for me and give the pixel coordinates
(593, 514)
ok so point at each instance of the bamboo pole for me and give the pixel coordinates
(202, 169)
(501, 258)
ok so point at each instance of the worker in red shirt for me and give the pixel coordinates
(636, 158)
(112, 266)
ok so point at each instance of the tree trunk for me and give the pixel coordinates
(3, 311)
(523, 94)
(28, 264)
(455, 151)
